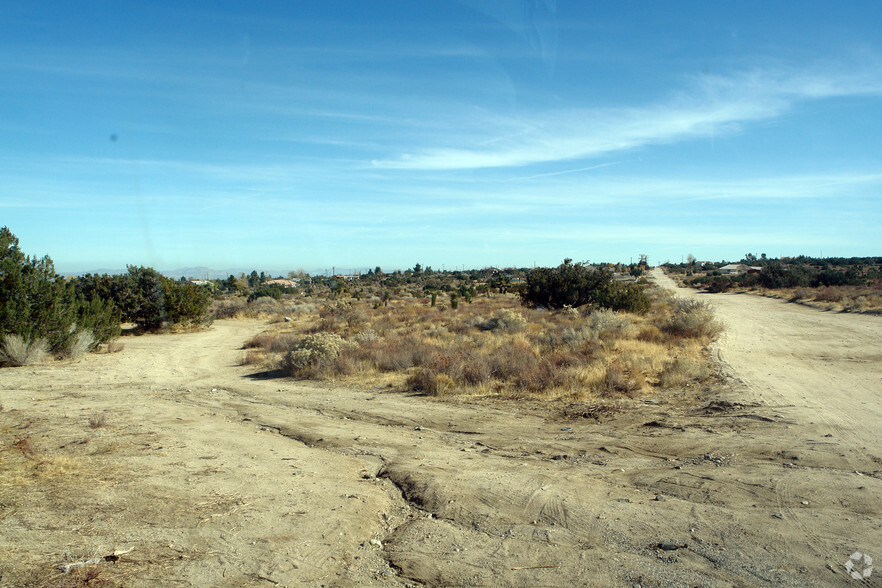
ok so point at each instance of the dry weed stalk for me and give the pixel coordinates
(97, 421)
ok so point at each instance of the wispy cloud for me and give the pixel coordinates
(709, 106)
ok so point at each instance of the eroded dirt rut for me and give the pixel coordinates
(219, 476)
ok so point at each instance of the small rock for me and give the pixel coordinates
(567, 429)
(417, 428)
(287, 319)
(804, 503)
(778, 516)
(376, 543)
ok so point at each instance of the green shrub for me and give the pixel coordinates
(36, 303)
(577, 284)
(147, 298)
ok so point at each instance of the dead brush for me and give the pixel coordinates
(27, 448)
(617, 381)
(98, 421)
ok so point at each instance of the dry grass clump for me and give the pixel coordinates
(82, 344)
(570, 354)
(18, 351)
(97, 421)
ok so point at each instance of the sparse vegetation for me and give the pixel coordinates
(846, 284)
(567, 353)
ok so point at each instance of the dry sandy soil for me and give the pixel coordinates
(195, 471)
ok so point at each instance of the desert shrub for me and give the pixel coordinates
(692, 319)
(569, 338)
(618, 381)
(511, 358)
(608, 324)
(366, 336)
(98, 420)
(860, 303)
(82, 344)
(428, 382)
(274, 291)
(719, 285)
(342, 312)
(577, 284)
(680, 371)
(475, 368)
(828, 294)
(540, 376)
(650, 334)
(625, 296)
(313, 353)
(147, 298)
(264, 304)
(15, 350)
(571, 312)
(253, 357)
(507, 320)
(802, 294)
(777, 275)
(227, 308)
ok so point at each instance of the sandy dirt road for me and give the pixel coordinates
(823, 366)
(213, 475)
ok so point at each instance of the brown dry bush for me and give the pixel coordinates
(829, 294)
(619, 381)
(428, 382)
(680, 371)
(227, 308)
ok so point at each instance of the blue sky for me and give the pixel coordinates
(285, 135)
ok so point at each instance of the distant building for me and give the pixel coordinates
(734, 269)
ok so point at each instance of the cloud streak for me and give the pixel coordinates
(712, 105)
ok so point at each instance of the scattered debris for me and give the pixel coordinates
(113, 557)
(671, 546)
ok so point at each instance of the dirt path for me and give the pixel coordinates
(824, 366)
(214, 475)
